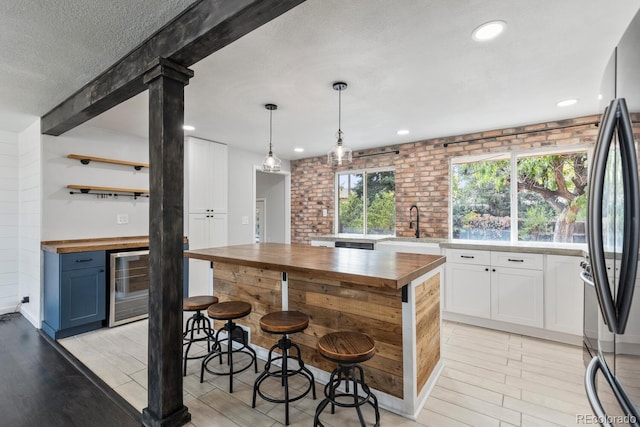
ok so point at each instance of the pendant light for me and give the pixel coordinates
(271, 163)
(339, 153)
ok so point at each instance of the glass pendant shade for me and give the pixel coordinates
(339, 154)
(271, 162)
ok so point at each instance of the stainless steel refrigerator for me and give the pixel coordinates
(611, 295)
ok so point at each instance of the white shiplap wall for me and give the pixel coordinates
(29, 208)
(8, 221)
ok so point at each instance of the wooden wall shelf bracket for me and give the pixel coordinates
(85, 160)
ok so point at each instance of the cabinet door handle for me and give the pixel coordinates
(84, 260)
(486, 269)
(467, 256)
(515, 260)
(493, 269)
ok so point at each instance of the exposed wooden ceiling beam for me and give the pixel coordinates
(202, 29)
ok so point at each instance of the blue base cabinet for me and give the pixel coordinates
(74, 293)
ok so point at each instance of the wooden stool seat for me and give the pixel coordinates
(229, 310)
(200, 302)
(347, 347)
(284, 322)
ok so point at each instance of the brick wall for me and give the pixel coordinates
(422, 174)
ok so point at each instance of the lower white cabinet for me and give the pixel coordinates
(468, 289)
(517, 295)
(205, 231)
(501, 286)
(563, 294)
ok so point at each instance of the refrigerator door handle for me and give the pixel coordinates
(594, 215)
(631, 240)
(621, 396)
(592, 394)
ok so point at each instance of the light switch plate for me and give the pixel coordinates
(245, 220)
(324, 212)
(122, 218)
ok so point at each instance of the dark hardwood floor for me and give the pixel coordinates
(43, 385)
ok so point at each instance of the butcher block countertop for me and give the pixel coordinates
(371, 268)
(97, 244)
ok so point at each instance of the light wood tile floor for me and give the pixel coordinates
(490, 378)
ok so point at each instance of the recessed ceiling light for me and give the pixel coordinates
(599, 97)
(488, 31)
(566, 102)
(298, 150)
(188, 127)
(403, 132)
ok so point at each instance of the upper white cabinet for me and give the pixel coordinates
(563, 293)
(208, 176)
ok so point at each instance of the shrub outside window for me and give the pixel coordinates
(366, 203)
(512, 197)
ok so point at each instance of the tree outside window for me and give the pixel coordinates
(550, 193)
(366, 197)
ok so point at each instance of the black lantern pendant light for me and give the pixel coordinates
(271, 163)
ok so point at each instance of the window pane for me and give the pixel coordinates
(350, 206)
(481, 205)
(552, 197)
(381, 203)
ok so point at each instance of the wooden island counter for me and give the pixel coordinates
(393, 297)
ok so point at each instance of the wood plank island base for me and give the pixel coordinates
(393, 297)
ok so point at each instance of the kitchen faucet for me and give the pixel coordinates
(416, 222)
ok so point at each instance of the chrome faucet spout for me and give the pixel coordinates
(416, 222)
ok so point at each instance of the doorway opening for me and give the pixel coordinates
(271, 220)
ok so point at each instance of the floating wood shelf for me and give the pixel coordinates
(108, 191)
(85, 160)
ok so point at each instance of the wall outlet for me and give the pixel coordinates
(324, 212)
(122, 218)
(25, 300)
(245, 220)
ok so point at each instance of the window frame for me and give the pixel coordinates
(336, 196)
(513, 157)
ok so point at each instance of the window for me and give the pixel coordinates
(549, 190)
(366, 202)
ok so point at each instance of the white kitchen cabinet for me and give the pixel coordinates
(517, 295)
(502, 286)
(563, 294)
(205, 231)
(468, 289)
(207, 177)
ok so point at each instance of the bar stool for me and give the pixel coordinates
(198, 327)
(347, 349)
(284, 323)
(229, 311)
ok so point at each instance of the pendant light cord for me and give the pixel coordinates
(339, 112)
(270, 129)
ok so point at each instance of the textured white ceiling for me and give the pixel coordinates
(409, 64)
(49, 49)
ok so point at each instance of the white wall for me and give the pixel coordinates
(66, 216)
(29, 198)
(241, 193)
(8, 222)
(271, 187)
